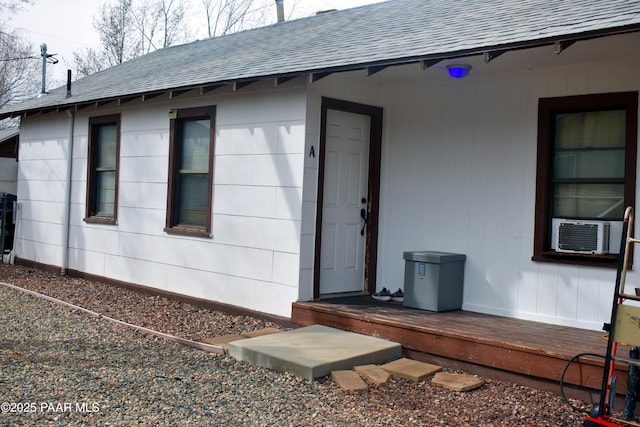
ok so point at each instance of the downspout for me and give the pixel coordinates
(66, 226)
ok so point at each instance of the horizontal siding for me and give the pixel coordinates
(253, 254)
(459, 174)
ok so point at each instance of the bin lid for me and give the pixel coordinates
(433, 257)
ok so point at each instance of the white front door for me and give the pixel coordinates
(346, 172)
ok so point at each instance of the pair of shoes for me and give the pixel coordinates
(397, 296)
(383, 295)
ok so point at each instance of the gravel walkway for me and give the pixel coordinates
(60, 366)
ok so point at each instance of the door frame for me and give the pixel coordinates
(373, 196)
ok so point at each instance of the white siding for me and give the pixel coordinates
(252, 260)
(41, 191)
(459, 171)
(458, 174)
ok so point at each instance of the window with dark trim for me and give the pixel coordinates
(102, 169)
(190, 187)
(586, 169)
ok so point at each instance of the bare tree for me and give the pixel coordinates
(18, 70)
(13, 6)
(131, 28)
(173, 13)
(229, 16)
(146, 16)
(18, 62)
(116, 28)
(88, 62)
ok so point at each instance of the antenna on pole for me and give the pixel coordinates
(45, 57)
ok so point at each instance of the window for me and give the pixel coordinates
(190, 171)
(102, 170)
(586, 165)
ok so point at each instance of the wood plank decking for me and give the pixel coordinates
(532, 350)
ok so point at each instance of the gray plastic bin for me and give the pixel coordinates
(433, 280)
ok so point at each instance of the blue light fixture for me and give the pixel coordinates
(458, 71)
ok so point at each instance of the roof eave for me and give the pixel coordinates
(489, 52)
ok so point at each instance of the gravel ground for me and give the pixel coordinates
(64, 367)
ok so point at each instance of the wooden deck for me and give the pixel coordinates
(475, 342)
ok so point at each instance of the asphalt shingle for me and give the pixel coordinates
(391, 32)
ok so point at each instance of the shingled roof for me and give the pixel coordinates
(384, 34)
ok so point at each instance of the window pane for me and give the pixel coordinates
(195, 145)
(595, 129)
(105, 193)
(594, 201)
(193, 198)
(590, 145)
(589, 164)
(106, 146)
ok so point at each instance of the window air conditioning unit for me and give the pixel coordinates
(582, 237)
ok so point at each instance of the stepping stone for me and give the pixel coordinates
(261, 332)
(373, 373)
(411, 369)
(457, 382)
(223, 340)
(349, 381)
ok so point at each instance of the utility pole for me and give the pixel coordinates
(45, 58)
(43, 52)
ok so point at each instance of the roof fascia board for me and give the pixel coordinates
(564, 41)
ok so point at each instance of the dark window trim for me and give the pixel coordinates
(91, 175)
(172, 191)
(547, 108)
(375, 160)
(9, 148)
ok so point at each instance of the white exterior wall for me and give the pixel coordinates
(251, 261)
(458, 175)
(464, 157)
(8, 175)
(41, 191)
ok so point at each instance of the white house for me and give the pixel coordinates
(235, 169)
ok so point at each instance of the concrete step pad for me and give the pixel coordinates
(374, 374)
(413, 370)
(314, 351)
(349, 381)
(457, 382)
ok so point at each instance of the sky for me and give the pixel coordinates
(66, 26)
